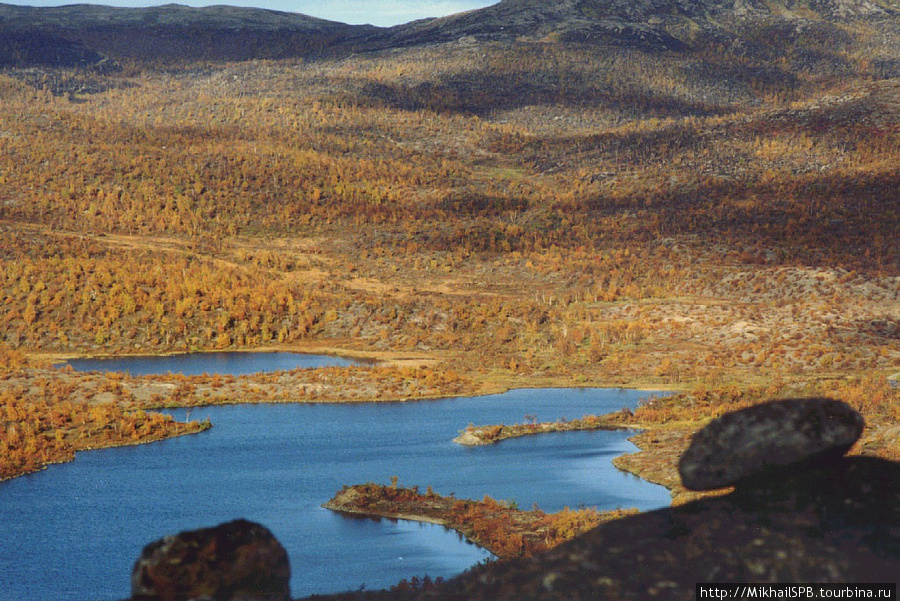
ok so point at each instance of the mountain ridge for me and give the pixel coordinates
(77, 16)
(81, 35)
(652, 23)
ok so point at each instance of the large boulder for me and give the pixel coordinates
(759, 440)
(236, 561)
(830, 523)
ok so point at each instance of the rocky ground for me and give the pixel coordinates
(482, 435)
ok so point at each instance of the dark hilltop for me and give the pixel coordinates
(85, 35)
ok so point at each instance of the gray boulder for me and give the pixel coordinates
(774, 436)
(835, 522)
(236, 561)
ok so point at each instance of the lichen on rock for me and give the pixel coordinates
(235, 561)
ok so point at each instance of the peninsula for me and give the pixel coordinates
(500, 527)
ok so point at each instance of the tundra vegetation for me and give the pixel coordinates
(719, 220)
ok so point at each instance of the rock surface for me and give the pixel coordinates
(833, 523)
(469, 439)
(773, 436)
(236, 561)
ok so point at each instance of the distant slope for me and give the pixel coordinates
(77, 35)
(76, 17)
(80, 35)
(659, 24)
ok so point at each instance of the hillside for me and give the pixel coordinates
(85, 35)
(650, 24)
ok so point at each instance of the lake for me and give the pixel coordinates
(222, 362)
(73, 531)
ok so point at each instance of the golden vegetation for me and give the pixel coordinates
(40, 425)
(513, 215)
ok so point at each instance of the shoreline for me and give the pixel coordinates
(331, 385)
(327, 351)
(485, 386)
(661, 430)
(185, 429)
(408, 517)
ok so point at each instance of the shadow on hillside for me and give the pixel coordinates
(480, 93)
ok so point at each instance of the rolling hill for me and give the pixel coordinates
(84, 35)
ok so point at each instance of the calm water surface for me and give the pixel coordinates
(194, 364)
(72, 532)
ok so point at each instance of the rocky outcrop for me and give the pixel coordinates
(484, 435)
(236, 561)
(770, 437)
(470, 438)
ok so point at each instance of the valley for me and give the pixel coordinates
(702, 198)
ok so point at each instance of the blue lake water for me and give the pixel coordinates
(224, 362)
(73, 531)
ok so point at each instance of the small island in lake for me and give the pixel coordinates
(484, 435)
(498, 526)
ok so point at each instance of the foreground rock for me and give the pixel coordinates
(237, 561)
(836, 523)
(773, 436)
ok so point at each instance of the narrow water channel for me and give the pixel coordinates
(72, 532)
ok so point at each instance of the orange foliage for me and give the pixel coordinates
(586, 217)
(39, 425)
